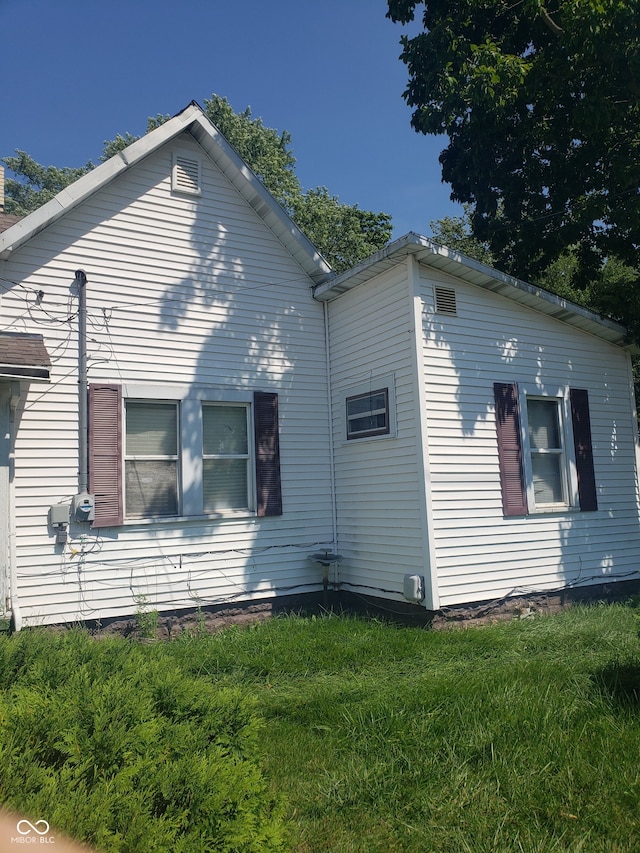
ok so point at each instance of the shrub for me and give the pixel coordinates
(115, 744)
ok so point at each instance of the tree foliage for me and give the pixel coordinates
(541, 106)
(344, 234)
(35, 184)
(456, 232)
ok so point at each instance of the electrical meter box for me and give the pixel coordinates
(83, 507)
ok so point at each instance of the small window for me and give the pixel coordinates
(226, 457)
(151, 459)
(547, 452)
(368, 414)
(185, 175)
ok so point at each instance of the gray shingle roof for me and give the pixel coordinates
(23, 356)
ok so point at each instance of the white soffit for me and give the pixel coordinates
(431, 254)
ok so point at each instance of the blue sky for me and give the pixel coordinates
(77, 72)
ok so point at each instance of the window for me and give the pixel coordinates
(546, 463)
(193, 456)
(151, 459)
(368, 414)
(546, 451)
(225, 454)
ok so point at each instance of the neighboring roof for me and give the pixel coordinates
(23, 356)
(7, 220)
(192, 120)
(434, 255)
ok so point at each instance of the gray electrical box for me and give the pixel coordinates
(83, 507)
(58, 514)
(414, 588)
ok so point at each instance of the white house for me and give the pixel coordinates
(194, 407)
(501, 453)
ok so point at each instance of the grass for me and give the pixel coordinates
(520, 736)
(514, 737)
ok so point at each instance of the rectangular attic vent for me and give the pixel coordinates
(185, 176)
(446, 301)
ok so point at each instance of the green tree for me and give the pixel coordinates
(35, 184)
(456, 232)
(541, 106)
(344, 234)
(266, 150)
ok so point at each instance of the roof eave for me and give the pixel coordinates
(194, 120)
(458, 265)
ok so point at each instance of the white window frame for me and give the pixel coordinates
(249, 457)
(373, 385)
(132, 457)
(190, 400)
(568, 473)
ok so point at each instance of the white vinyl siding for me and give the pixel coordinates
(381, 517)
(480, 554)
(193, 295)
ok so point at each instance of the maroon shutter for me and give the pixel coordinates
(514, 495)
(105, 453)
(265, 416)
(587, 493)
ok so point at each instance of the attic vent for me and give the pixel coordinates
(185, 176)
(446, 301)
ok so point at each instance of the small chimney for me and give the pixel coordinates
(1, 189)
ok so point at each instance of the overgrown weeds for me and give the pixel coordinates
(124, 750)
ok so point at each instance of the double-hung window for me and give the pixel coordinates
(225, 457)
(151, 459)
(545, 450)
(196, 455)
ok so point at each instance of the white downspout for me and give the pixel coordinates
(16, 616)
(332, 473)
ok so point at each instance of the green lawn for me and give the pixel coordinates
(520, 736)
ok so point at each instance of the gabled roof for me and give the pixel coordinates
(438, 257)
(194, 121)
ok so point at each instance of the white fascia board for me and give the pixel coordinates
(260, 199)
(88, 184)
(433, 255)
(222, 153)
